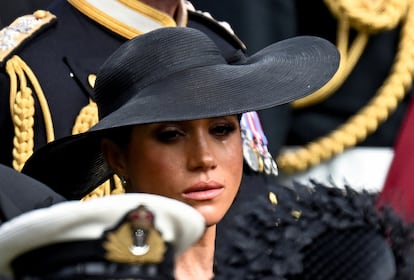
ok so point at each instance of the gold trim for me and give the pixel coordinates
(23, 84)
(92, 80)
(105, 20)
(121, 28)
(150, 12)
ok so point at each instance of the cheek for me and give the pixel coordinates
(232, 162)
(150, 170)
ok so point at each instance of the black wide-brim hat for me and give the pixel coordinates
(176, 74)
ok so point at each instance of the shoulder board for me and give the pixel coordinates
(221, 27)
(21, 30)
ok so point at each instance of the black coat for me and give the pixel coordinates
(20, 193)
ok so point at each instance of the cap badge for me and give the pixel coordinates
(135, 239)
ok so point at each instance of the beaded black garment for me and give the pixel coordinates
(317, 232)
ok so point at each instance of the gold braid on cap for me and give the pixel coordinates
(367, 17)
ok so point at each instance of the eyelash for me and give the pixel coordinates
(169, 135)
(223, 129)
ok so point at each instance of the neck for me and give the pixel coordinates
(167, 6)
(197, 261)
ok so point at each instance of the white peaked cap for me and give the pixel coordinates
(179, 224)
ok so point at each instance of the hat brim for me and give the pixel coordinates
(278, 74)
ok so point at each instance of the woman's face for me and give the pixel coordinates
(198, 162)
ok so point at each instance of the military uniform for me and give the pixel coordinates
(13, 204)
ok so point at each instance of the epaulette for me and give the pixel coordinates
(223, 28)
(21, 30)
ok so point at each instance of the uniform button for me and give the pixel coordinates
(39, 14)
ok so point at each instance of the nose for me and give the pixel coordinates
(201, 153)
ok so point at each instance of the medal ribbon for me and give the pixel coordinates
(252, 132)
(251, 122)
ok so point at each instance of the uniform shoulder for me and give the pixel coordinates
(22, 30)
(223, 28)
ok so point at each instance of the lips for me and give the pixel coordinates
(203, 191)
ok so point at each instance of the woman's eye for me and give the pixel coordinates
(168, 135)
(223, 130)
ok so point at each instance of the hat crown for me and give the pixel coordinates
(149, 58)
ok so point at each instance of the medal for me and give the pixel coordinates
(275, 170)
(267, 165)
(255, 149)
(251, 156)
(270, 166)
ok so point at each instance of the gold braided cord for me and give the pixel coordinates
(367, 120)
(365, 16)
(349, 58)
(102, 190)
(118, 187)
(88, 117)
(22, 110)
(370, 16)
(107, 188)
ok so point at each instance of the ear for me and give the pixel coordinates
(115, 157)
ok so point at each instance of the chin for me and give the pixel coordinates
(212, 215)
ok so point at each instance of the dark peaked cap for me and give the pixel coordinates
(175, 74)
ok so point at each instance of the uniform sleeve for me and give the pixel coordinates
(20, 193)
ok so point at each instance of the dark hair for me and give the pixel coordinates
(120, 136)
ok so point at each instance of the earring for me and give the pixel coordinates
(124, 181)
